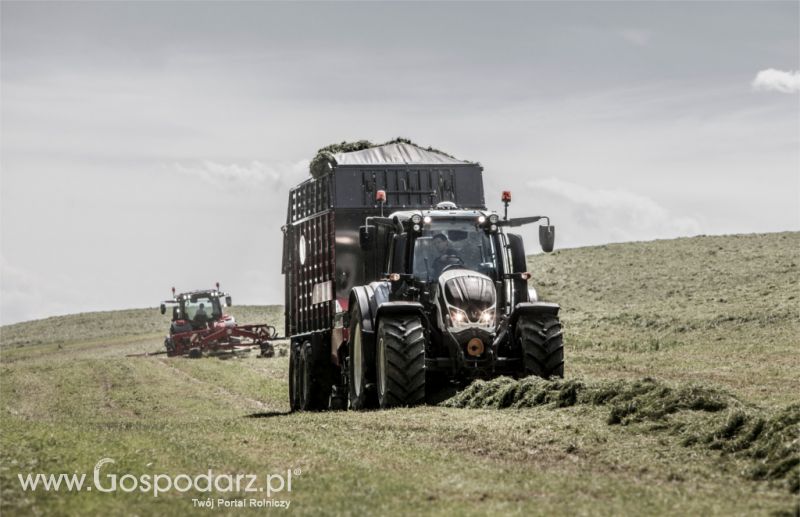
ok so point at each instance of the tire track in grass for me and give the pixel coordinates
(214, 388)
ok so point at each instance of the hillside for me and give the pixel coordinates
(680, 397)
(719, 309)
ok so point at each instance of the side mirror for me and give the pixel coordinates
(163, 309)
(228, 301)
(547, 238)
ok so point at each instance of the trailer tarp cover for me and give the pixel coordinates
(322, 257)
(399, 153)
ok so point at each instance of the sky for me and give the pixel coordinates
(147, 145)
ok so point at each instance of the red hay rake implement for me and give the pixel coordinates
(211, 341)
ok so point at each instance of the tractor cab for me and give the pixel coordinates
(197, 309)
(448, 250)
(452, 240)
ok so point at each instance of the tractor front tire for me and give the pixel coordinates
(169, 344)
(401, 361)
(542, 345)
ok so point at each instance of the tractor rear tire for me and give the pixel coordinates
(542, 345)
(361, 393)
(314, 394)
(401, 361)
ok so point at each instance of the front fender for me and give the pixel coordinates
(380, 295)
(398, 308)
(534, 308)
(362, 297)
(369, 298)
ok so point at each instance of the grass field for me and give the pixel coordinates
(711, 323)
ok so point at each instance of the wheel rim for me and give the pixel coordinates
(358, 366)
(381, 368)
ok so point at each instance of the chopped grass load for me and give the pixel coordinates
(319, 164)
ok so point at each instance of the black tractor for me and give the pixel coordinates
(452, 306)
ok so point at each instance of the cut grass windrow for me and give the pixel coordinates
(720, 421)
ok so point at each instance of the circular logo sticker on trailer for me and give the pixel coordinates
(302, 250)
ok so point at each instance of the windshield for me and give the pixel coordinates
(197, 306)
(447, 244)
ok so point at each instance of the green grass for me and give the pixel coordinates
(724, 310)
(720, 313)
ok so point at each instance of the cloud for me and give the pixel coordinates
(636, 37)
(20, 296)
(777, 81)
(27, 295)
(254, 174)
(596, 216)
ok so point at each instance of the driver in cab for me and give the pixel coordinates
(201, 316)
(447, 255)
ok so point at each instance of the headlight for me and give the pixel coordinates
(493, 219)
(458, 317)
(416, 218)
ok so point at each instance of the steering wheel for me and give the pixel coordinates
(460, 264)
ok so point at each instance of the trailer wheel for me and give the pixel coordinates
(401, 361)
(360, 394)
(313, 393)
(294, 360)
(542, 345)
